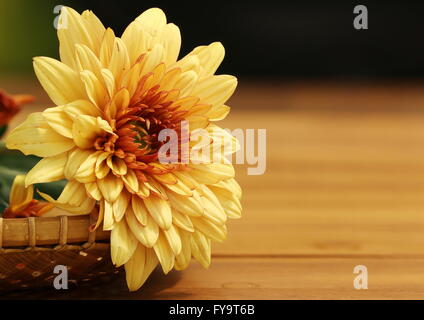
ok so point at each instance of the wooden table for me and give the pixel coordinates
(344, 186)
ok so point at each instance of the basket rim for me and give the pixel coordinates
(48, 231)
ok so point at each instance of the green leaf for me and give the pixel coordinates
(15, 160)
(4, 196)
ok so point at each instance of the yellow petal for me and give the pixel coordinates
(213, 208)
(95, 27)
(210, 229)
(164, 253)
(152, 20)
(197, 110)
(197, 122)
(119, 60)
(210, 57)
(139, 267)
(223, 143)
(122, 243)
(201, 248)
(73, 193)
(153, 58)
(73, 199)
(155, 187)
(218, 112)
(232, 207)
(51, 211)
(81, 107)
(117, 165)
(107, 213)
(84, 208)
(158, 72)
(62, 84)
(87, 60)
(75, 29)
(119, 101)
(148, 234)
(85, 172)
(166, 178)
(102, 169)
(75, 159)
(120, 206)
(170, 38)
(174, 239)
(169, 79)
(228, 187)
(182, 221)
(228, 192)
(93, 191)
(160, 211)
(109, 81)
(136, 40)
(183, 259)
(20, 195)
(212, 173)
(106, 47)
(186, 83)
(100, 217)
(131, 181)
(111, 187)
(139, 209)
(188, 63)
(47, 170)
(131, 77)
(185, 103)
(143, 190)
(34, 136)
(213, 212)
(186, 179)
(191, 206)
(86, 129)
(94, 88)
(173, 183)
(215, 90)
(59, 121)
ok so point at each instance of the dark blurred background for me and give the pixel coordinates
(264, 39)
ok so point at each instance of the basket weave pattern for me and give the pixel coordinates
(31, 248)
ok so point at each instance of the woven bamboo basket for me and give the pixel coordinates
(30, 248)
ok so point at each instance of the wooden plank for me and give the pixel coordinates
(265, 278)
(336, 183)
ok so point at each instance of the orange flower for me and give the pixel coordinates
(10, 105)
(21, 201)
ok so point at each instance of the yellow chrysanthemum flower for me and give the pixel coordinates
(114, 96)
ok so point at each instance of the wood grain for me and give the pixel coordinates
(265, 278)
(336, 183)
(344, 186)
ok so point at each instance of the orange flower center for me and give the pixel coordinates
(137, 128)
